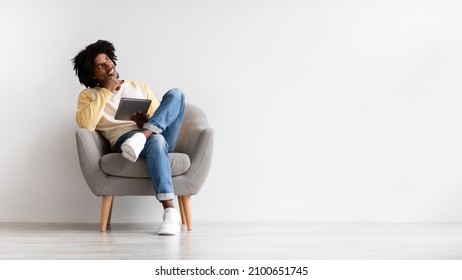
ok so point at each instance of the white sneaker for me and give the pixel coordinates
(133, 146)
(171, 224)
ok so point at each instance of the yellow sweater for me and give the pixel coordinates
(97, 107)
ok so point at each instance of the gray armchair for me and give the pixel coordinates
(109, 174)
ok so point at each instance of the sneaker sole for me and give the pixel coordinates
(127, 152)
(169, 233)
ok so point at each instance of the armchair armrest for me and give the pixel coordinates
(196, 140)
(91, 146)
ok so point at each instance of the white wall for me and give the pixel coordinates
(323, 110)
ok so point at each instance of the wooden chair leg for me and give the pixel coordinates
(180, 203)
(110, 212)
(187, 211)
(105, 211)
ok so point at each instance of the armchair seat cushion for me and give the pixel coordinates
(114, 164)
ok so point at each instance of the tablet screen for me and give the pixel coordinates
(129, 106)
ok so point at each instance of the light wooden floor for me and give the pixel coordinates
(219, 241)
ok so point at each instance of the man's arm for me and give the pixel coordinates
(154, 104)
(90, 108)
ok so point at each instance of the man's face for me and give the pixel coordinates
(104, 68)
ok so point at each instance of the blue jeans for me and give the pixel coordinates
(165, 124)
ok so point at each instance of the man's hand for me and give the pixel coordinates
(140, 119)
(112, 83)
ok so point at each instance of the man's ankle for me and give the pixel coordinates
(147, 133)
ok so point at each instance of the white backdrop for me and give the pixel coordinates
(323, 110)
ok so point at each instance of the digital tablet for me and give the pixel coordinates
(129, 106)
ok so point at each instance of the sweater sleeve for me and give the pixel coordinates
(90, 107)
(154, 104)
